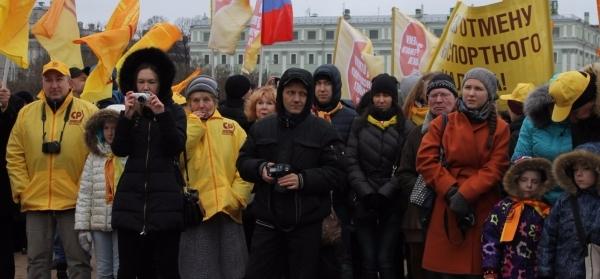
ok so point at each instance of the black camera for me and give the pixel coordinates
(277, 171)
(51, 147)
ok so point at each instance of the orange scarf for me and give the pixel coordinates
(417, 114)
(327, 114)
(109, 176)
(514, 216)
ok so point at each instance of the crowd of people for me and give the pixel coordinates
(295, 182)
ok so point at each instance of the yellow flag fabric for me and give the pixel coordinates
(14, 30)
(177, 89)
(57, 30)
(507, 37)
(354, 58)
(108, 46)
(162, 36)
(412, 45)
(253, 45)
(229, 18)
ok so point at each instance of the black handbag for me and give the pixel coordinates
(193, 213)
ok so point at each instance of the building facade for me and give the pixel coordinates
(576, 42)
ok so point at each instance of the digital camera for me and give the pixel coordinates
(141, 97)
(277, 171)
(52, 147)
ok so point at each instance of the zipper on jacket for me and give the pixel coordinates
(146, 180)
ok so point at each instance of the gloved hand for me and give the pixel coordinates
(85, 240)
(381, 202)
(459, 205)
(370, 201)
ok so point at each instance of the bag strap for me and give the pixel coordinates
(578, 224)
(185, 164)
(442, 150)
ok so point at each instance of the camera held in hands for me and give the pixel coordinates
(141, 97)
(52, 147)
(279, 170)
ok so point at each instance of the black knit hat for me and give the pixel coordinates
(442, 81)
(384, 83)
(236, 87)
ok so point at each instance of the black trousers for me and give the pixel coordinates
(154, 255)
(7, 260)
(275, 253)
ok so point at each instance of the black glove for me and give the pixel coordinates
(381, 202)
(370, 201)
(458, 204)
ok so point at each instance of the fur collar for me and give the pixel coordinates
(538, 107)
(511, 178)
(594, 69)
(566, 161)
(94, 126)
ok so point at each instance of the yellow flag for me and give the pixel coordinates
(412, 45)
(56, 31)
(253, 45)
(229, 18)
(108, 46)
(354, 58)
(177, 89)
(162, 36)
(509, 38)
(14, 30)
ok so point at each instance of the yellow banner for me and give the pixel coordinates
(162, 35)
(512, 38)
(354, 58)
(14, 30)
(177, 89)
(56, 31)
(229, 18)
(253, 45)
(412, 45)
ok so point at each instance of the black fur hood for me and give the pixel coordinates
(511, 178)
(160, 61)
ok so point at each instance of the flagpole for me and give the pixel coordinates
(6, 69)
(260, 67)
(213, 65)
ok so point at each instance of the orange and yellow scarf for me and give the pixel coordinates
(328, 114)
(113, 168)
(514, 216)
(417, 114)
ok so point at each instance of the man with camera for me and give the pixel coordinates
(45, 157)
(292, 161)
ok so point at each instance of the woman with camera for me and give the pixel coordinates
(148, 204)
(373, 150)
(475, 143)
(216, 248)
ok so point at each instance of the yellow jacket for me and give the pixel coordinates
(42, 181)
(213, 147)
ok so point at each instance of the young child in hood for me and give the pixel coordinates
(512, 230)
(561, 253)
(96, 193)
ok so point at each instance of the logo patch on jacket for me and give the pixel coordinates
(228, 128)
(76, 117)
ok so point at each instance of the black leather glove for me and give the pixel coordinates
(459, 205)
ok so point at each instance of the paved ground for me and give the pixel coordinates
(21, 267)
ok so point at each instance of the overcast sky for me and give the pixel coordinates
(92, 11)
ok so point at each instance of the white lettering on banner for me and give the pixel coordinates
(357, 74)
(413, 48)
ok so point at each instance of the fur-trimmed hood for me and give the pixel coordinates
(94, 128)
(157, 59)
(594, 69)
(563, 165)
(511, 178)
(538, 106)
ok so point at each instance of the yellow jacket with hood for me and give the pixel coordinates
(42, 181)
(212, 149)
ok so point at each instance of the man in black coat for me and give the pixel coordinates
(236, 87)
(9, 108)
(289, 206)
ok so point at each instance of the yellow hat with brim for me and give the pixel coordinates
(520, 93)
(565, 90)
(56, 66)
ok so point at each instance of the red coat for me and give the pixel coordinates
(477, 172)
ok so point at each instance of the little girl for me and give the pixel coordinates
(96, 192)
(513, 228)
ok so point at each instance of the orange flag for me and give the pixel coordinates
(177, 89)
(229, 18)
(14, 30)
(162, 36)
(56, 31)
(108, 46)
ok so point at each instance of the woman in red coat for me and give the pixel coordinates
(475, 141)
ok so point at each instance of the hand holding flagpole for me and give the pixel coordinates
(3, 85)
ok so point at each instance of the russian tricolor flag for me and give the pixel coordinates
(277, 21)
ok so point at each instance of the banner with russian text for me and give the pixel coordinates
(228, 20)
(253, 45)
(512, 38)
(412, 45)
(354, 57)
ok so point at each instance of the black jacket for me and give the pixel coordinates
(234, 109)
(7, 120)
(148, 196)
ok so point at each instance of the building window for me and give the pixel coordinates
(223, 59)
(293, 58)
(243, 36)
(205, 36)
(311, 59)
(329, 58)
(240, 59)
(206, 59)
(311, 35)
(555, 57)
(373, 34)
(556, 32)
(295, 35)
(275, 59)
(438, 32)
(329, 35)
(258, 59)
